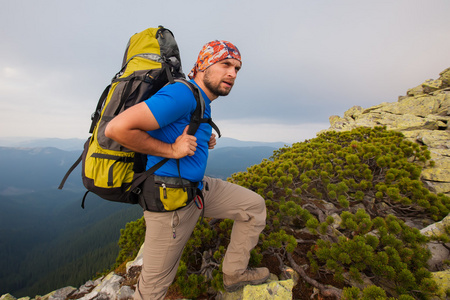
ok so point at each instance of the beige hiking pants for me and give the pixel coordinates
(162, 252)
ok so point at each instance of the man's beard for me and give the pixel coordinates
(214, 88)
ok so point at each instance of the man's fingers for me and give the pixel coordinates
(193, 147)
(185, 144)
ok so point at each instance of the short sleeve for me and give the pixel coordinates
(171, 103)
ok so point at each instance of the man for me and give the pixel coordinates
(158, 127)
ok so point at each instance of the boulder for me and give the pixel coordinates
(86, 288)
(272, 289)
(437, 228)
(436, 174)
(420, 107)
(442, 279)
(431, 85)
(439, 251)
(108, 288)
(353, 112)
(125, 293)
(445, 77)
(62, 294)
(138, 261)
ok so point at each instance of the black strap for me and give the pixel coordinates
(200, 194)
(125, 94)
(197, 116)
(156, 166)
(213, 125)
(132, 76)
(84, 199)
(63, 181)
(144, 175)
(179, 175)
(96, 115)
(111, 169)
(195, 124)
(199, 111)
(125, 159)
(168, 73)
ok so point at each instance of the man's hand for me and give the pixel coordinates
(185, 145)
(212, 141)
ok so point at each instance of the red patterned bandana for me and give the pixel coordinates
(212, 53)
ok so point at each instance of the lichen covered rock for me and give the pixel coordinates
(442, 279)
(277, 290)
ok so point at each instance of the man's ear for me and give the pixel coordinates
(199, 77)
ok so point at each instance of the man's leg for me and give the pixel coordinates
(165, 237)
(224, 200)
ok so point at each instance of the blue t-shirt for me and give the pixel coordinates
(172, 107)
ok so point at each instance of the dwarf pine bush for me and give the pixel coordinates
(392, 251)
(130, 241)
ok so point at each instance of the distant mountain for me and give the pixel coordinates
(39, 164)
(223, 162)
(77, 144)
(229, 142)
(26, 170)
(28, 142)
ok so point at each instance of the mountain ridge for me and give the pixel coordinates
(75, 144)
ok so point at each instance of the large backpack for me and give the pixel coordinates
(151, 61)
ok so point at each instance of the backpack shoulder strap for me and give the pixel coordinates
(197, 117)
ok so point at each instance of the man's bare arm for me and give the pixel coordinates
(130, 130)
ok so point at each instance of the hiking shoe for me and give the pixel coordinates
(251, 276)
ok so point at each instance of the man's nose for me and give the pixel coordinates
(232, 72)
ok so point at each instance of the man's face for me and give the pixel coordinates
(219, 78)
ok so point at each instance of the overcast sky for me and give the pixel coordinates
(303, 61)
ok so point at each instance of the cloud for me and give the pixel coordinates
(264, 131)
(302, 61)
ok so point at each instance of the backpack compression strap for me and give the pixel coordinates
(98, 110)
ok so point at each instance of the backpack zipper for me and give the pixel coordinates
(164, 190)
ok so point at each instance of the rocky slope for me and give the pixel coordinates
(423, 116)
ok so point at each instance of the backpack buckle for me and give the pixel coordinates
(137, 191)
